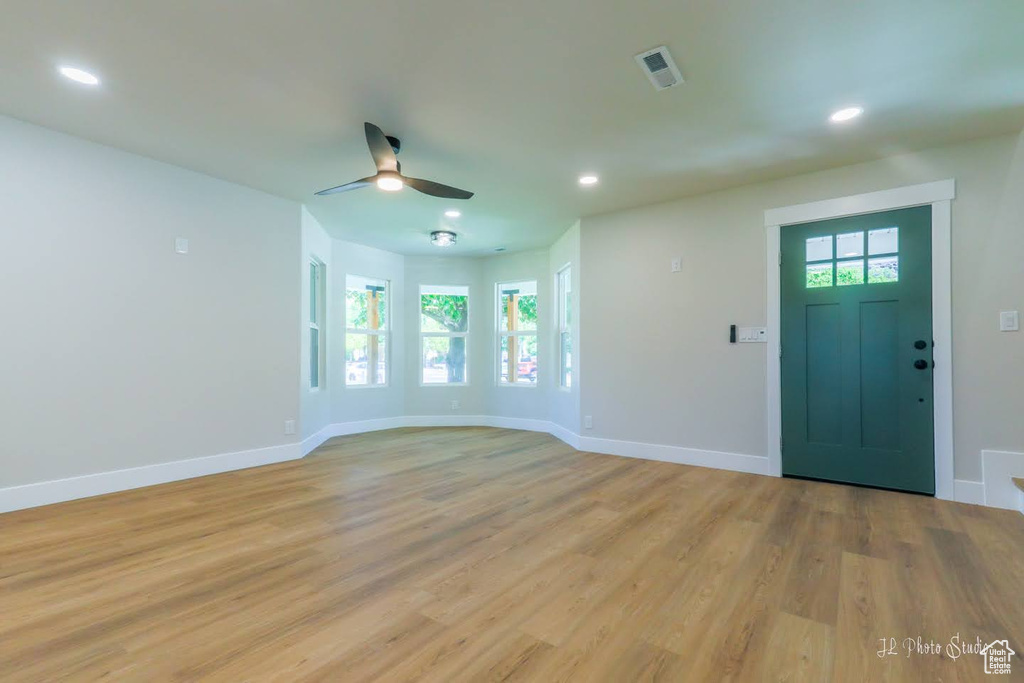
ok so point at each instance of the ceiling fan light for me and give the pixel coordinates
(390, 183)
(442, 238)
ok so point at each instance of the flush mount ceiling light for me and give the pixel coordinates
(453, 213)
(78, 75)
(588, 180)
(442, 238)
(847, 114)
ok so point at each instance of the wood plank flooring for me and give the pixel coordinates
(481, 554)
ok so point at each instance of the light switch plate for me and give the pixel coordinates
(1009, 321)
(181, 245)
(752, 335)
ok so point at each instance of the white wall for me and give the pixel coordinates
(658, 367)
(436, 399)
(117, 352)
(315, 403)
(564, 404)
(353, 404)
(519, 400)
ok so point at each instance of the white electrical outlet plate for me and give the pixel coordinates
(289, 426)
(181, 245)
(588, 422)
(677, 264)
(1009, 321)
(455, 405)
(752, 335)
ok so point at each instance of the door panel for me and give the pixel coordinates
(856, 307)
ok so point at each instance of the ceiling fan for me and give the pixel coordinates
(384, 150)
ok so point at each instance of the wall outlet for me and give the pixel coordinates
(289, 427)
(588, 421)
(180, 245)
(1009, 321)
(677, 264)
(455, 405)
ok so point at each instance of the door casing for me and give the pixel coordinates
(939, 195)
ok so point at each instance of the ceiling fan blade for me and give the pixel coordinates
(380, 149)
(355, 185)
(437, 189)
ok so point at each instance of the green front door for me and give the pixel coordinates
(857, 350)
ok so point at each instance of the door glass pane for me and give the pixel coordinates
(850, 272)
(884, 241)
(444, 360)
(819, 274)
(819, 248)
(850, 244)
(885, 269)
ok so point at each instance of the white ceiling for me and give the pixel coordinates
(511, 99)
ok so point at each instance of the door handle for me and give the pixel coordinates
(921, 364)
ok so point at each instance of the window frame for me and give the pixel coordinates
(504, 334)
(384, 332)
(317, 310)
(423, 335)
(564, 325)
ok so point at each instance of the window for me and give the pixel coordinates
(444, 325)
(565, 327)
(366, 331)
(517, 333)
(316, 303)
(844, 264)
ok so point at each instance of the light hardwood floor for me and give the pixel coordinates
(482, 554)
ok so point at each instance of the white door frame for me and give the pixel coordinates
(939, 195)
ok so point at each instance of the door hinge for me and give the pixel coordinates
(780, 349)
(780, 259)
(782, 444)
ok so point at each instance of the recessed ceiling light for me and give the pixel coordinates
(79, 76)
(390, 183)
(846, 114)
(588, 180)
(453, 213)
(442, 238)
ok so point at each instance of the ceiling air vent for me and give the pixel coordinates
(660, 68)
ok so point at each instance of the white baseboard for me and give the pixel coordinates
(85, 486)
(560, 432)
(966, 491)
(754, 464)
(998, 468)
(997, 489)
